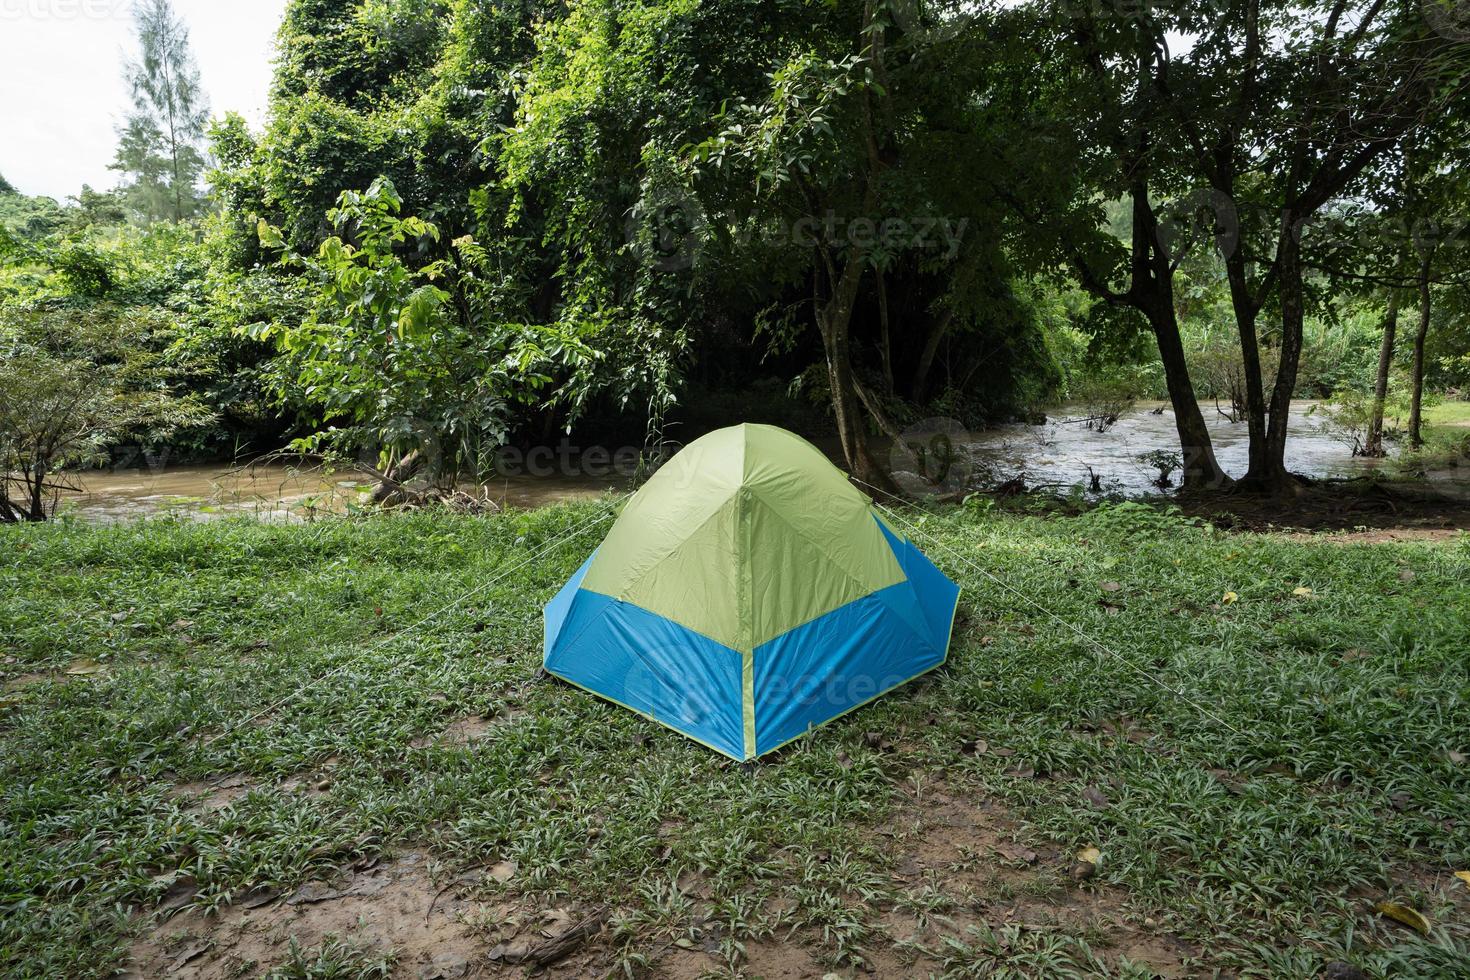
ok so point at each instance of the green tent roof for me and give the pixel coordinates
(756, 518)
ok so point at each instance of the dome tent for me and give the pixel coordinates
(747, 594)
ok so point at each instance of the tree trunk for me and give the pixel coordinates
(1152, 293)
(1373, 446)
(1246, 312)
(38, 493)
(9, 513)
(835, 320)
(1201, 470)
(1416, 396)
(390, 485)
(926, 356)
(885, 343)
(1268, 472)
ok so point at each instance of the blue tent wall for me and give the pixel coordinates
(642, 661)
(855, 654)
(938, 598)
(802, 679)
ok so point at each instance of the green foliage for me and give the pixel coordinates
(630, 209)
(73, 383)
(384, 362)
(26, 219)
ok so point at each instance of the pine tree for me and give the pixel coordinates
(160, 143)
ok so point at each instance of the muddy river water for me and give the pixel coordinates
(1059, 454)
(276, 492)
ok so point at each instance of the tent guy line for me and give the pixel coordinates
(575, 532)
(1096, 644)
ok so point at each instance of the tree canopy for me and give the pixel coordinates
(474, 223)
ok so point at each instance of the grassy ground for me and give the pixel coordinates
(1273, 741)
(1449, 413)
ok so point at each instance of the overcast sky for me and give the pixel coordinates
(61, 89)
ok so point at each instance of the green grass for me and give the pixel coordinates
(1272, 765)
(1448, 413)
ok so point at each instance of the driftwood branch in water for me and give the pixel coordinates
(391, 484)
(885, 424)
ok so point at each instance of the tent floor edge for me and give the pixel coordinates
(857, 707)
(645, 715)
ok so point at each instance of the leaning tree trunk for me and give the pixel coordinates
(1152, 293)
(1416, 396)
(1373, 446)
(919, 390)
(1201, 470)
(1268, 472)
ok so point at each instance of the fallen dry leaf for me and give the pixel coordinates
(1302, 592)
(1407, 575)
(1091, 855)
(557, 923)
(1404, 915)
(85, 668)
(502, 872)
(1464, 876)
(1111, 587)
(1229, 599)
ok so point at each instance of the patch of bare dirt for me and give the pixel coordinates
(467, 731)
(21, 682)
(961, 861)
(435, 930)
(212, 794)
(970, 852)
(1351, 506)
(1381, 535)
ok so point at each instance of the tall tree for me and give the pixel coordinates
(1285, 107)
(159, 147)
(1088, 85)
